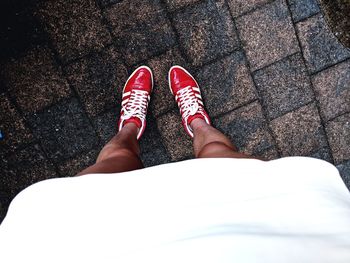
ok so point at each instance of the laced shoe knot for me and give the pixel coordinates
(136, 106)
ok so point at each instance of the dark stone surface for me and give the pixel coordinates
(246, 127)
(25, 167)
(19, 170)
(2, 85)
(162, 100)
(63, 130)
(239, 7)
(344, 170)
(206, 31)
(338, 131)
(299, 132)
(127, 14)
(12, 126)
(323, 154)
(35, 80)
(5, 200)
(332, 89)
(99, 80)
(157, 156)
(149, 40)
(106, 124)
(75, 27)
(302, 9)
(177, 142)
(78, 163)
(176, 4)
(337, 14)
(140, 29)
(105, 3)
(284, 86)
(20, 30)
(269, 154)
(153, 151)
(226, 84)
(320, 48)
(270, 37)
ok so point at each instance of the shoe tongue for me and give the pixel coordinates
(195, 116)
(135, 120)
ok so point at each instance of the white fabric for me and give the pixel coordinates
(205, 210)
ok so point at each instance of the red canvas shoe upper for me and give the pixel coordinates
(188, 97)
(136, 96)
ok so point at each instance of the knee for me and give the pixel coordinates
(115, 152)
(215, 149)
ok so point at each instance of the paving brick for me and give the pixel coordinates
(64, 130)
(332, 89)
(320, 47)
(157, 156)
(284, 86)
(269, 154)
(302, 9)
(105, 3)
(246, 127)
(106, 124)
(20, 30)
(2, 85)
(127, 14)
(338, 131)
(206, 31)
(99, 79)
(239, 7)
(153, 151)
(5, 199)
(176, 141)
(323, 154)
(226, 84)
(12, 126)
(162, 100)
(78, 163)
(75, 27)
(344, 170)
(270, 37)
(140, 28)
(176, 4)
(35, 80)
(147, 40)
(25, 167)
(299, 132)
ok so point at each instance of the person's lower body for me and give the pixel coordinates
(122, 152)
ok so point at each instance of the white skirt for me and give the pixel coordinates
(294, 209)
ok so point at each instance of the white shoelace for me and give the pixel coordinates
(136, 106)
(188, 102)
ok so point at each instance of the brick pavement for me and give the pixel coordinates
(274, 79)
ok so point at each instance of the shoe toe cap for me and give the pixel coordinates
(180, 78)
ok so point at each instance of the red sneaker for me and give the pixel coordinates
(136, 96)
(188, 97)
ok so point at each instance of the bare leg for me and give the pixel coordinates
(120, 154)
(208, 142)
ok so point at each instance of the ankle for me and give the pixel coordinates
(198, 123)
(131, 127)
